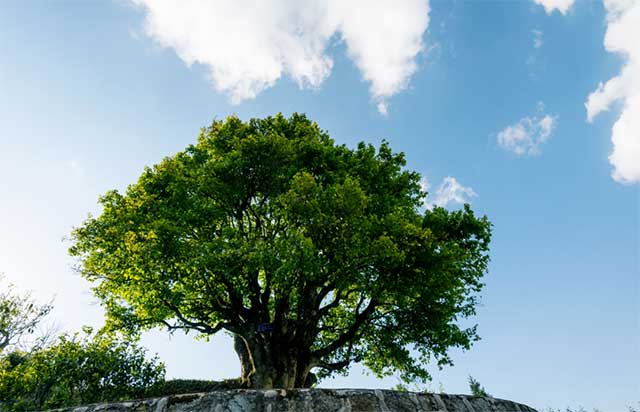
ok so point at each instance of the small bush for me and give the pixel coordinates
(77, 370)
(476, 388)
(180, 386)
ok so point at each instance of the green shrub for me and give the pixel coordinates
(475, 388)
(180, 386)
(77, 370)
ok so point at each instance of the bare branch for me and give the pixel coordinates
(19, 316)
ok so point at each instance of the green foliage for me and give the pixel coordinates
(270, 222)
(180, 386)
(20, 315)
(400, 387)
(418, 388)
(77, 369)
(475, 388)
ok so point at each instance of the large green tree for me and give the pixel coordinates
(310, 254)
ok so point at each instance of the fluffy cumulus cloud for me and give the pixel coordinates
(450, 191)
(562, 6)
(622, 36)
(247, 45)
(529, 133)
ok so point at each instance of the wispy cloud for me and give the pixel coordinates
(537, 39)
(623, 32)
(248, 45)
(527, 135)
(534, 66)
(450, 191)
(563, 6)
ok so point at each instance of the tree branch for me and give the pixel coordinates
(349, 334)
(200, 326)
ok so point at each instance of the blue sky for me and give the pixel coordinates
(492, 102)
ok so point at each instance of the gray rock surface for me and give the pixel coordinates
(311, 400)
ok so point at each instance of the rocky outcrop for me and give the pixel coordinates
(311, 400)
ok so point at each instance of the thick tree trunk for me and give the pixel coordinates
(247, 369)
(265, 367)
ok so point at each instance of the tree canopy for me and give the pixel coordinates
(20, 315)
(311, 255)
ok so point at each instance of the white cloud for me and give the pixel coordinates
(529, 133)
(449, 191)
(382, 108)
(562, 6)
(247, 45)
(425, 185)
(623, 33)
(537, 39)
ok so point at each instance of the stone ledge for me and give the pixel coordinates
(310, 400)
